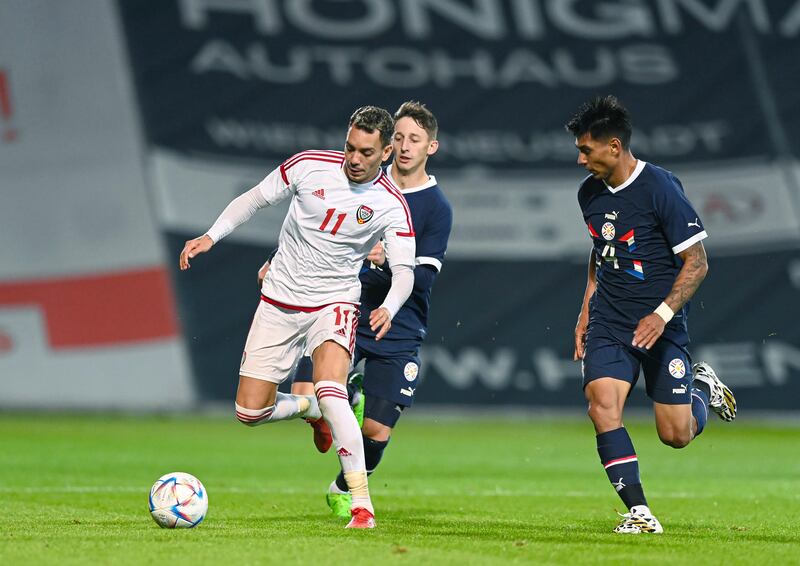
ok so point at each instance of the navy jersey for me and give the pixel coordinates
(432, 218)
(637, 230)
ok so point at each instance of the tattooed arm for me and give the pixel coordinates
(695, 267)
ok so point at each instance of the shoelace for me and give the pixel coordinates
(716, 393)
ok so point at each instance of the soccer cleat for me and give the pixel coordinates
(721, 400)
(322, 434)
(339, 503)
(361, 519)
(355, 391)
(639, 520)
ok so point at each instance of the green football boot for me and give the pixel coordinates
(355, 388)
(339, 503)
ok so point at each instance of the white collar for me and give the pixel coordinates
(639, 168)
(428, 184)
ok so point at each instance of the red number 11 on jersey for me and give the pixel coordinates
(328, 216)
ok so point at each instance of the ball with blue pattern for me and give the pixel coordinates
(178, 501)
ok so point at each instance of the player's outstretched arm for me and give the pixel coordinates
(692, 273)
(192, 248)
(238, 211)
(583, 316)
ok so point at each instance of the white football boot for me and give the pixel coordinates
(639, 520)
(722, 400)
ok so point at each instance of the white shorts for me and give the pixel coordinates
(280, 336)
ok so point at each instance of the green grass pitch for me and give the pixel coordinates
(74, 491)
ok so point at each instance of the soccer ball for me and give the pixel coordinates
(178, 501)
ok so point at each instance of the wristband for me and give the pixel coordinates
(664, 312)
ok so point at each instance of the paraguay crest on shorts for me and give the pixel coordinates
(410, 371)
(677, 368)
(364, 214)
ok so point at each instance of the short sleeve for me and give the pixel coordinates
(679, 220)
(433, 236)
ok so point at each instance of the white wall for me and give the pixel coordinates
(75, 222)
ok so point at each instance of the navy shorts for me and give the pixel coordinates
(391, 377)
(667, 366)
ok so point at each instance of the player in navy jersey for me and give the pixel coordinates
(647, 261)
(391, 365)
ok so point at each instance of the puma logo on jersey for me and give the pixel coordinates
(320, 193)
(695, 223)
(612, 215)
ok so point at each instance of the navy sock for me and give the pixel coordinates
(373, 452)
(700, 408)
(622, 466)
(702, 386)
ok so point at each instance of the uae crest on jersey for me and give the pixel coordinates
(364, 214)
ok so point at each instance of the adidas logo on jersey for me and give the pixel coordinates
(319, 193)
(340, 332)
(343, 452)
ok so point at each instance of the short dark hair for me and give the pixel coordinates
(371, 118)
(421, 115)
(603, 118)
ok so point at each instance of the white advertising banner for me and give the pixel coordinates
(87, 316)
(512, 216)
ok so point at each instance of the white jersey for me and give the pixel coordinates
(331, 226)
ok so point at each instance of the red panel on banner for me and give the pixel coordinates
(100, 309)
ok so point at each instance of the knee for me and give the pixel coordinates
(604, 414)
(675, 438)
(376, 431)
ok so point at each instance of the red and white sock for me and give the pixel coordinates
(254, 417)
(286, 407)
(335, 408)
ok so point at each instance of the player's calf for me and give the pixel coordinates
(675, 424)
(335, 407)
(675, 439)
(285, 407)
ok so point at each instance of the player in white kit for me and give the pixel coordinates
(342, 204)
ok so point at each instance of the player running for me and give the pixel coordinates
(646, 262)
(391, 365)
(342, 204)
